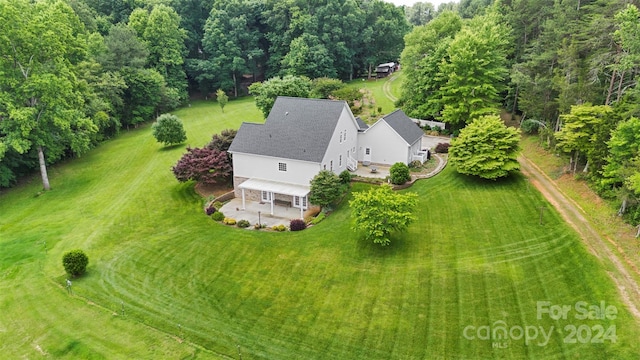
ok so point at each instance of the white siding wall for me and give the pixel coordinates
(387, 147)
(266, 167)
(417, 146)
(346, 127)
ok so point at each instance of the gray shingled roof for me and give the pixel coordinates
(362, 126)
(404, 126)
(296, 128)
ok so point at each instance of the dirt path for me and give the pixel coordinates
(621, 271)
(386, 88)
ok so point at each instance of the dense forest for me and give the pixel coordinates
(75, 72)
(567, 69)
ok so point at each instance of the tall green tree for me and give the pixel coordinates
(621, 174)
(585, 133)
(420, 13)
(383, 35)
(380, 211)
(476, 71)
(232, 45)
(123, 49)
(424, 53)
(627, 36)
(40, 104)
(308, 57)
(160, 30)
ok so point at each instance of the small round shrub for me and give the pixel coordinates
(210, 210)
(345, 177)
(244, 223)
(217, 216)
(442, 148)
(280, 227)
(168, 130)
(229, 221)
(297, 225)
(75, 262)
(399, 173)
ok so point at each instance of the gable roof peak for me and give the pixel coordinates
(404, 126)
(296, 128)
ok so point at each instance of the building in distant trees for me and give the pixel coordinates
(386, 69)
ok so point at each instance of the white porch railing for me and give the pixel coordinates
(420, 156)
(352, 164)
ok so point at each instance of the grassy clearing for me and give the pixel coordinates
(375, 87)
(192, 288)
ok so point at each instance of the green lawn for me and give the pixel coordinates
(190, 287)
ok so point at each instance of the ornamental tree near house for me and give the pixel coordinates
(209, 166)
(223, 140)
(380, 211)
(486, 148)
(326, 187)
(168, 130)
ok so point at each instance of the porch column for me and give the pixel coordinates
(271, 198)
(243, 204)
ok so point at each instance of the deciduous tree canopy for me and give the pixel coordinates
(208, 166)
(486, 148)
(168, 130)
(378, 212)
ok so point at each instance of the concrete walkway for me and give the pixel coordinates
(442, 162)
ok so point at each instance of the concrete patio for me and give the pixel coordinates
(366, 171)
(281, 214)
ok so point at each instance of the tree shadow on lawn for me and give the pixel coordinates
(173, 147)
(512, 180)
(401, 244)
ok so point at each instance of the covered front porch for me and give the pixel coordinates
(275, 193)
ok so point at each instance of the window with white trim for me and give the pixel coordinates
(282, 166)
